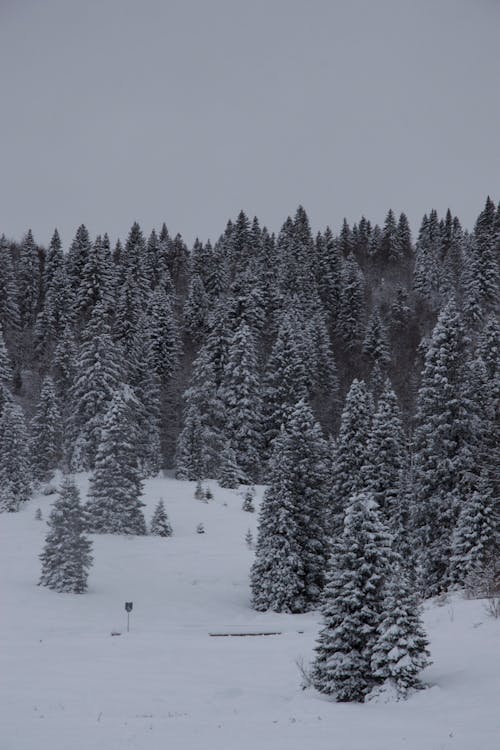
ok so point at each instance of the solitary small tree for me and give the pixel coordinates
(248, 505)
(160, 525)
(66, 557)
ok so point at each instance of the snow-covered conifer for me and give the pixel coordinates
(46, 434)
(400, 650)
(240, 396)
(248, 505)
(160, 525)
(230, 475)
(66, 557)
(476, 537)
(444, 445)
(351, 448)
(115, 488)
(292, 545)
(15, 475)
(352, 604)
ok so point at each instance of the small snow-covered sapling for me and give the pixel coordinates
(200, 529)
(38, 514)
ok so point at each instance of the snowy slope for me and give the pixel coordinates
(67, 684)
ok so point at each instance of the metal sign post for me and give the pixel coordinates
(128, 610)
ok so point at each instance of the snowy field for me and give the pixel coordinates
(67, 684)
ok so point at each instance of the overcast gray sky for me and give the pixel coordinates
(185, 111)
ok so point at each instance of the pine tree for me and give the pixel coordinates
(249, 539)
(66, 557)
(46, 434)
(292, 546)
(15, 477)
(400, 650)
(115, 486)
(38, 515)
(160, 525)
(352, 604)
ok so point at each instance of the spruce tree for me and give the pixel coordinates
(115, 486)
(98, 374)
(6, 373)
(444, 446)
(248, 505)
(476, 537)
(400, 650)
(292, 546)
(386, 458)
(66, 557)
(15, 474)
(46, 434)
(352, 604)
(230, 474)
(9, 294)
(160, 525)
(240, 396)
(351, 453)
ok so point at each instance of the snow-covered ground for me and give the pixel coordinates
(67, 684)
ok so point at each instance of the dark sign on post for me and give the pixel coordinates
(128, 609)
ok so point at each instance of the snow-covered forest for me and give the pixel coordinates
(352, 372)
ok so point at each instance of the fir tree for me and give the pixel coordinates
(352, 604)
(386, 458)
(351, 315)
(248, 505)
(476, 537)
(115, 486)
(240, 395)
(160, 525)
(292, 545)
(29, 280)
(15, 478)
(46, 434)
(249, 539)
(198, 491)
(38, 515)
(400, 650)
(66, 557)
(444, 446)
(9, 293)
(98, 374)
(230, 474)
(351, 452)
